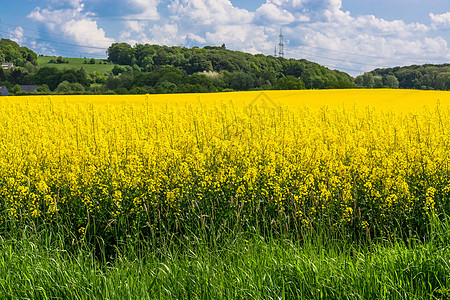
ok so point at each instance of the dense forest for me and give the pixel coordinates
(147, 68)
(11, 52)
(223, 68)
(162, 69)
(423, 77)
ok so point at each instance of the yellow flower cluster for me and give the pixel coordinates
(340, 165)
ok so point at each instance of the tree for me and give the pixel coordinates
(76, 87)
(17, 76)
(367, 80)
(63, 88)
(43, 89)
(10, 51)
(2, 75)
(378, 82)
(289, 83)
(61, 60)
(121, 53)
(118, 70)
(443, 81)
(241, 81)
(16, 89)
(390, 81)
(49, 76)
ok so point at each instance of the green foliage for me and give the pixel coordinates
(66, 87)
(162, 69)
(76, 63)
(119, 69)
(53, 77)
(243, 71)
(368, 81)
(43, 89)
(59, 60)
(391, 81)
(425, 77)
(10, 51)
(289, 83)
(16, 89)
(121, 53)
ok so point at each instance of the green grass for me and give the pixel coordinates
(38, 265)
(77, 63)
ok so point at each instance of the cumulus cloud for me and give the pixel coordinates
(269, 13)
(333, 36)
(17, 35)
(135, 26)
(148, 10)
(209, 12)
(75, 25)
(440, 21)
(167, 34)
(318, 30)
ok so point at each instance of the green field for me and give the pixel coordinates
(77, 63)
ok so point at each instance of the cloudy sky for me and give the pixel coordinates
(350, 35)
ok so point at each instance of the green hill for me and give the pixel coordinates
(101, 66)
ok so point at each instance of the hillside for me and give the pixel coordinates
(142, 69)
(89, 64)
(243, 71)
(160, 69)
(11, 52)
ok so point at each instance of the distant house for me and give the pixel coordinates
(7, 65)
(3, 91)
(28, 88)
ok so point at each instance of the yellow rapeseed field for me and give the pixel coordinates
(371, 161)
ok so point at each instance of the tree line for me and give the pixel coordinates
(423, 77)
(220, 69)
(148, 68)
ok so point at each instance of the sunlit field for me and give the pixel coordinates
(155, 170)
(381, 99)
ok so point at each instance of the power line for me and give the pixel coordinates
(369, 56)
(46, 32)
(61, 43)
(336, 59)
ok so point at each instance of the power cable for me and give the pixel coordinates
(61, 43)
(46, 32)
(370, 56)
(335, 59)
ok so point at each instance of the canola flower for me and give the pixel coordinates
(369, 168)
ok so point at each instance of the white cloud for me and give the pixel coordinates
(148, 10)
(167, 34)
(209, 12)
(17, 35)
(269, 13)
(135, 26)
(75, 25)
(318, 30)
(440, 21)
(333, 36)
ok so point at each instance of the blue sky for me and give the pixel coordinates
(350, 35)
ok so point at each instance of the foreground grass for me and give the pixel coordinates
(36, 266)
